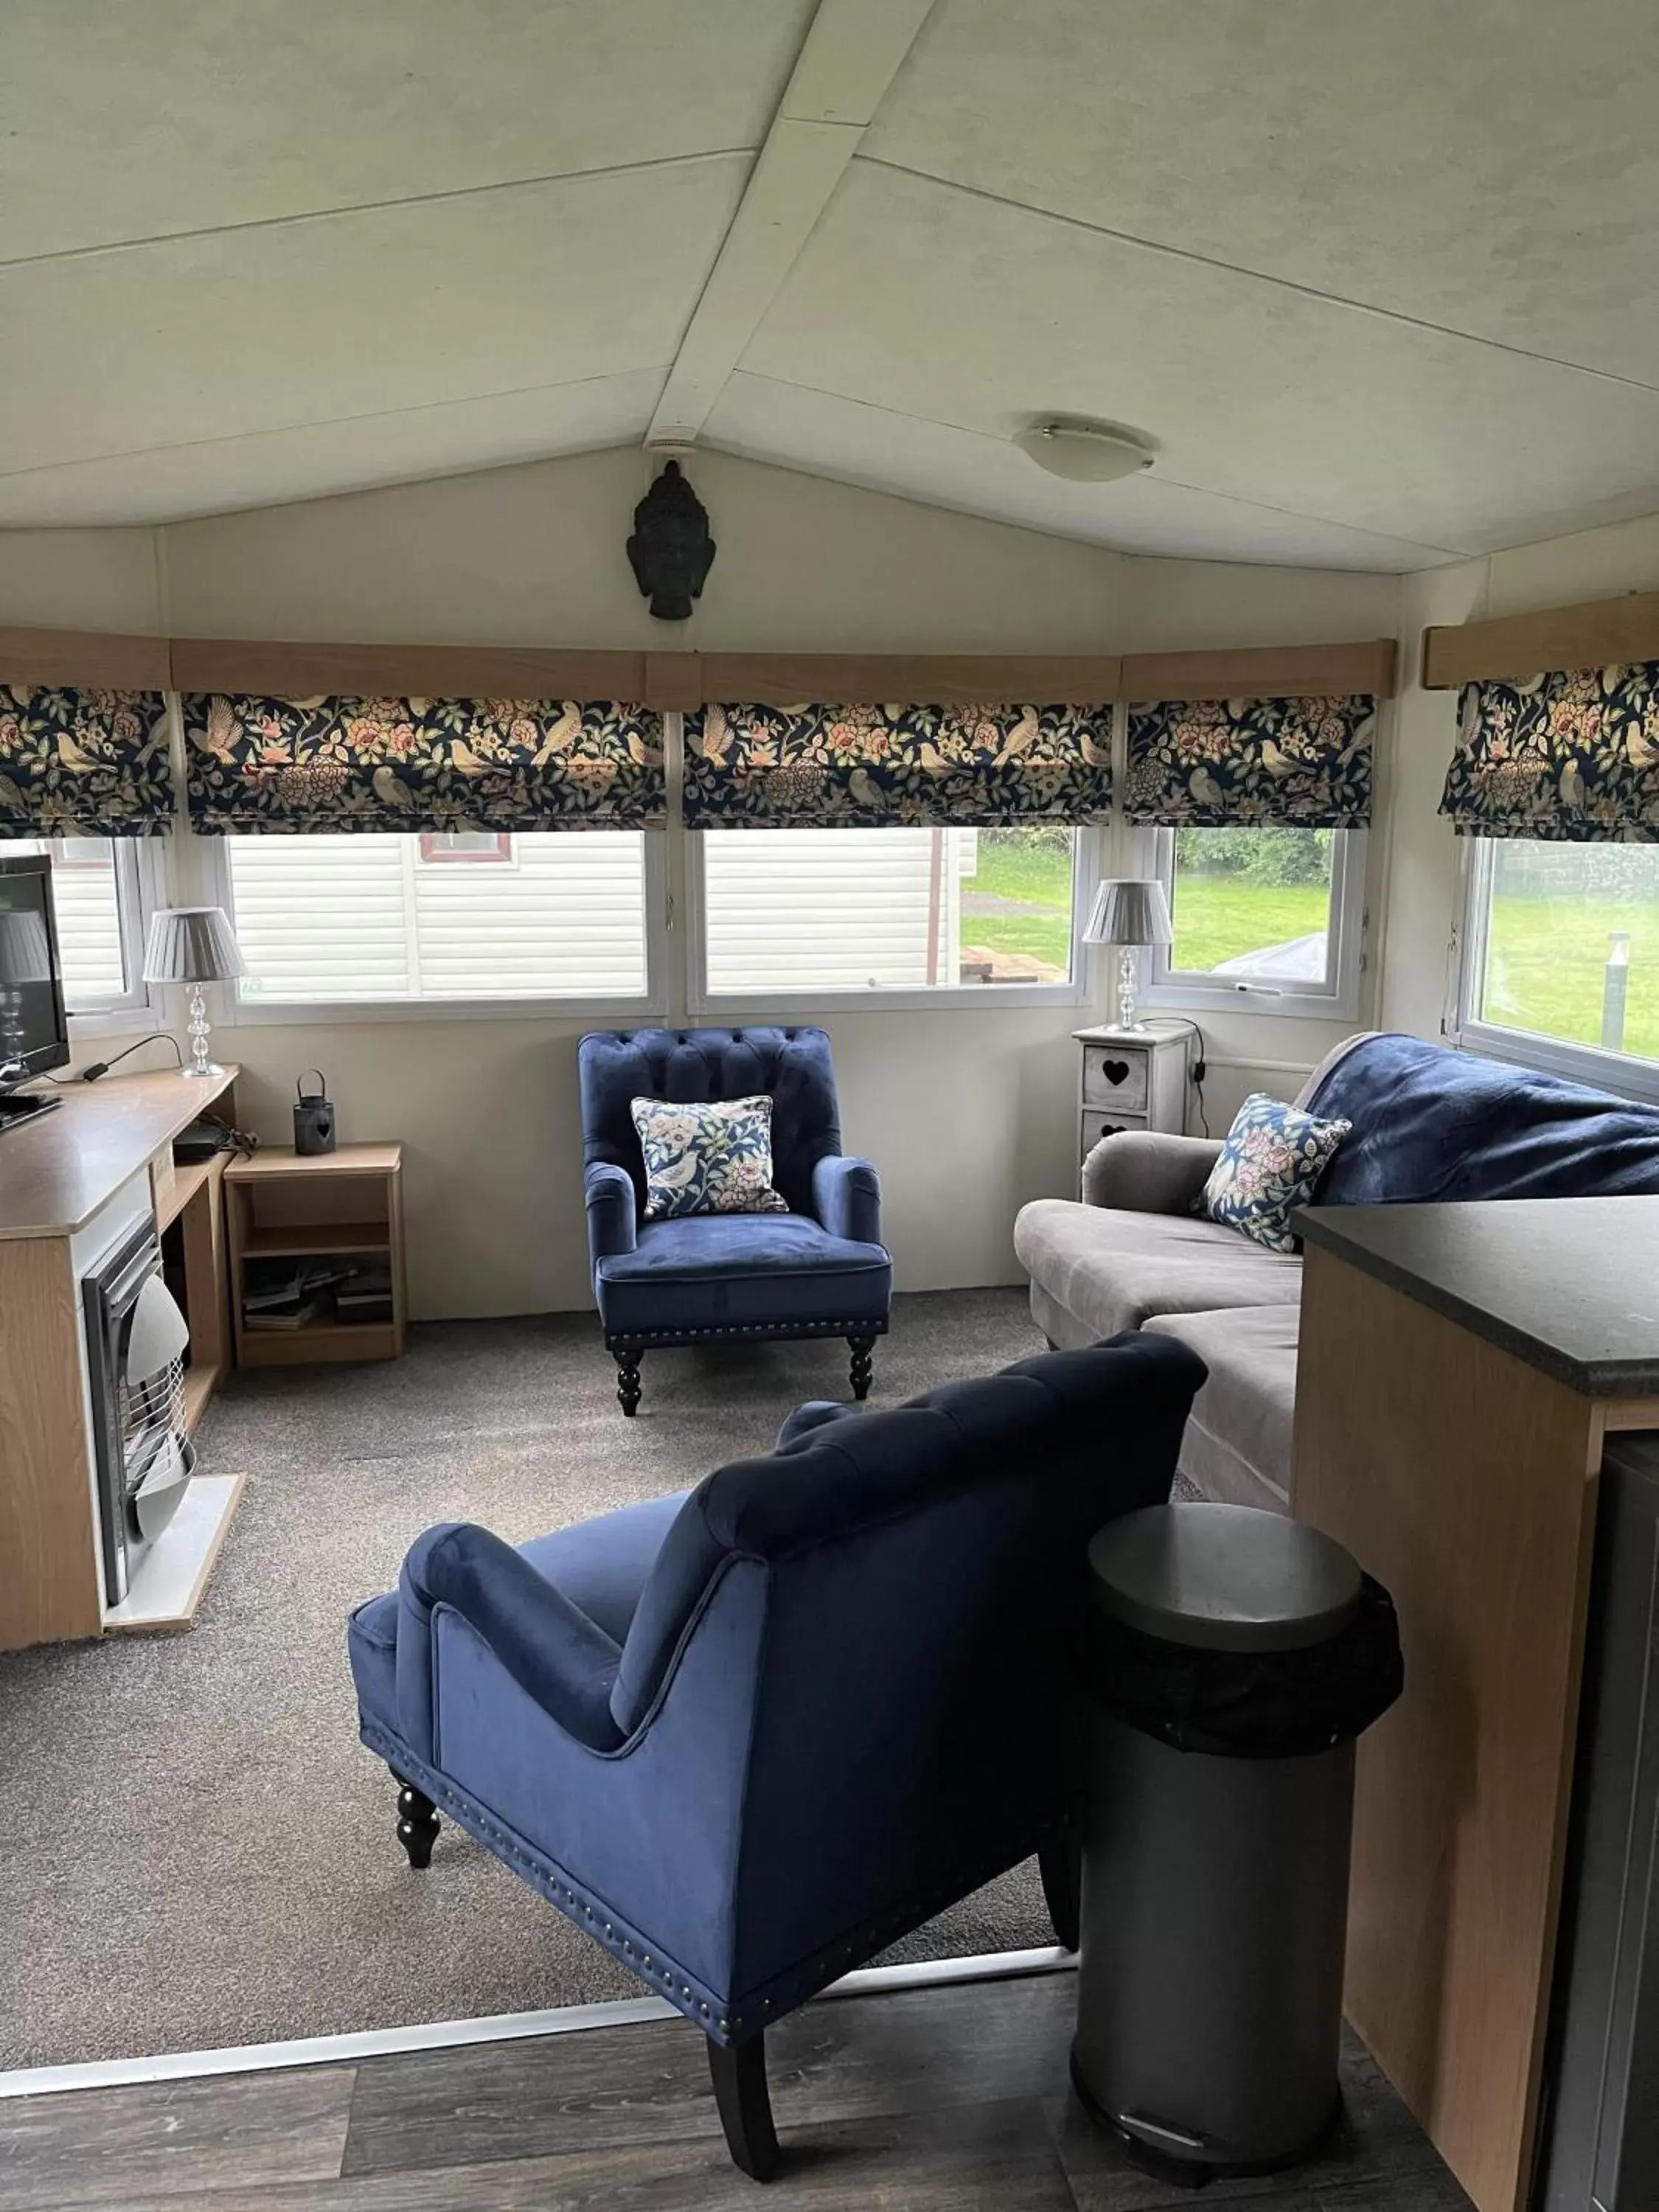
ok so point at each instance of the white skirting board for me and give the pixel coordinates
(502, 2027)
(168, 1585)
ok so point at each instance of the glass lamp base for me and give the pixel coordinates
(1128, 1015)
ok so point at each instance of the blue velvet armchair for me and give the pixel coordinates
(819, 1270)
(747, 1737)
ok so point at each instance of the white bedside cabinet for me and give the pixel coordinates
(1130, 1079)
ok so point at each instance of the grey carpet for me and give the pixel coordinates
(197, 1851)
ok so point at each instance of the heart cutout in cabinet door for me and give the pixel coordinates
(1115, 1071)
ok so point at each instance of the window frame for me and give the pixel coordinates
(650, 1005)
(139, 890)
(743, 1007)
(1626, 1073)
(1201, 990)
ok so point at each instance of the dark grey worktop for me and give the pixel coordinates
(1568, 1284)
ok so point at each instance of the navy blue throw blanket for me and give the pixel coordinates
(1433, 1125)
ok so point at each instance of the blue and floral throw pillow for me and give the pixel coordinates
(714, 1158)
(1273, 1158)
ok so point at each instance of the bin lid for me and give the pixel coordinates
(1223, 1577)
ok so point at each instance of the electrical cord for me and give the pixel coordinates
(1196, 1066)
(102, 1067)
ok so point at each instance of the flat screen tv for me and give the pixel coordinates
(34, 1033)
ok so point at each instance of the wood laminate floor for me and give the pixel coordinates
(948, 2100)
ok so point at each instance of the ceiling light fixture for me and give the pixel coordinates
(1082, 452)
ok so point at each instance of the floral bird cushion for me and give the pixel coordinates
(714, 1157)
(1270, 1165)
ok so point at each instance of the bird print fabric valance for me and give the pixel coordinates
(1213, 763)
(871, 766)
(1572, 757)
(263, 766)
(83, 763)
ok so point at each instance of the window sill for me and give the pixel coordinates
(1249, 999)
(1623, 1073)
(143, 1020)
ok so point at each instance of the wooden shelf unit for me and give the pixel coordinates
(342, 1204)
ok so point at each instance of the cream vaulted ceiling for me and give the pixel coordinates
(1380, 284)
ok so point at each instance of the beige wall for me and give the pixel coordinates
(967, 1112)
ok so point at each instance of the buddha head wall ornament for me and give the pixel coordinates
(671, 550)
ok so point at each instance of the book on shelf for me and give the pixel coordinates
(298, 1317)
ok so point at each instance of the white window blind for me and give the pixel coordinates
(363, 919)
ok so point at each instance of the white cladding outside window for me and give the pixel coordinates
(890, 909)
(366, 920)
(95, 899)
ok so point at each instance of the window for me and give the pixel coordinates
(1265, 917)
(96, 896)
(1564, 947)
(363, 920)
(895, 910)
(441, 845)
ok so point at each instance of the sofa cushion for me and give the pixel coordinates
(739, 1271)
(713, 1156)
(1115, 1269)
(1269, 1165)
(1237, 1445)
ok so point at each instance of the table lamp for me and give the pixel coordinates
(193, 944)
(1129, 911)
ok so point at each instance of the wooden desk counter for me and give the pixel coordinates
(56, 1171)
(1459, 1368)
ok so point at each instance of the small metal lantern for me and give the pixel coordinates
(313, 1117)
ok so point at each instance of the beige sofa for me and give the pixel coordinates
(1132, 1255)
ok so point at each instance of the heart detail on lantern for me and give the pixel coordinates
(1115, 1071)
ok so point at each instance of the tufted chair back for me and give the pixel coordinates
(692, 1067)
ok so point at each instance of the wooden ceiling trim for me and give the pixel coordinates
(1264, 671)
(1596, 633)
(82, 660)
(280, 670)
(786, 679)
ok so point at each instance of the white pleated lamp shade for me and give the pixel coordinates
(192, 945)
(25, 950)
(1130, 910)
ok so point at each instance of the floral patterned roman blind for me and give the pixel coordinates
(259, 766)
(1572, 757)
(1210, 763)
(869, 767)
(88, 763)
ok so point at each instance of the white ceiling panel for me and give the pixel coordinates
(1490, 166)
(170, 484)
(124, 119)
(358, 314)
(855, 443)
(927, 300)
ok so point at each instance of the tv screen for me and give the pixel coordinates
(33, 1035)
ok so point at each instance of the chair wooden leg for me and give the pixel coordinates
(738, 2072)
(627, 1381)
(863, 1366)
(1060, 1864)
(417, 1823)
